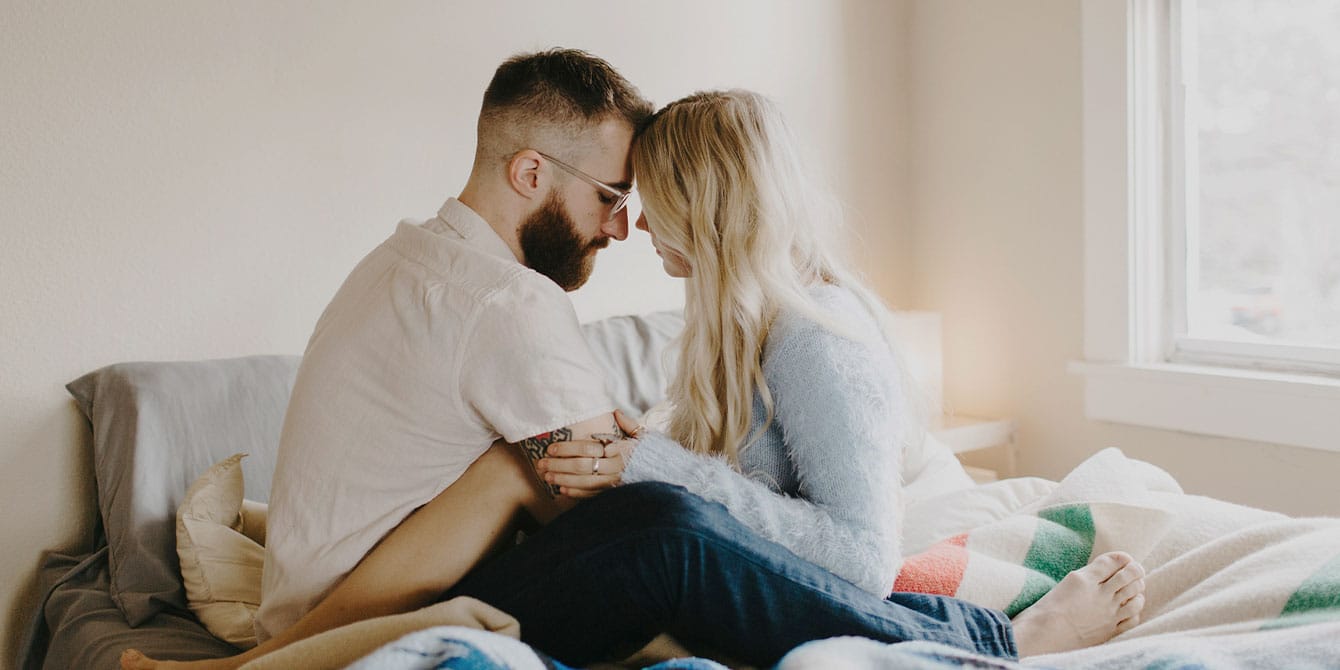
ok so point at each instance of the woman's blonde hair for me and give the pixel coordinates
(722, 185)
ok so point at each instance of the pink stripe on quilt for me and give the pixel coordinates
(938, 570)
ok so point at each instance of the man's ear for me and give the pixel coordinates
(523, 173)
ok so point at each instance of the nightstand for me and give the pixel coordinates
(964, 434)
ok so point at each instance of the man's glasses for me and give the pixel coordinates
(620, 195)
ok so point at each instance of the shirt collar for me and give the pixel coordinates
(466, 223)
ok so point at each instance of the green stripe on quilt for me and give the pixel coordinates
(1317, 599)
(1061, 544)
(1035, 586)
(1064, 544)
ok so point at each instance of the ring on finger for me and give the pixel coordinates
(595, 466)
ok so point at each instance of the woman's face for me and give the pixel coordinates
(675, 264)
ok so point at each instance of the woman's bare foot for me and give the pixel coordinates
(1088, 607)
(132, 659)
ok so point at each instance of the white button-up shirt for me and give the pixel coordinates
(438, 343)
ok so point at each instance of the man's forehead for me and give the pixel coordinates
(610, 160)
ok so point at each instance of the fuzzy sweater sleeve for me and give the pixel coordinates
(838, 405)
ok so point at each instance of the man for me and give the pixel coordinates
(456, 333)
(446, 363)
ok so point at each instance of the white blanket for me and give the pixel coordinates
(1220, 576)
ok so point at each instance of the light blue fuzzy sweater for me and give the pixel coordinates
(824, 479)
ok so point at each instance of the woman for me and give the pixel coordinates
(790, 406)
(785, 371)
(790, 409)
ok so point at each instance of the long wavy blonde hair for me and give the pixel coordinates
(723, 186)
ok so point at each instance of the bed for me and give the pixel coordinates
(1229, 586)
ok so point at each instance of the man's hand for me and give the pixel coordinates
(583, 468)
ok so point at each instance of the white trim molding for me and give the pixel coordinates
(1261, 406)
(1127, 99)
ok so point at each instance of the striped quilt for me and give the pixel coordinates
(1214, 568)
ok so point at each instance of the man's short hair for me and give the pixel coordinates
(567, 88)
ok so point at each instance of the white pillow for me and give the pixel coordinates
(931, 469)
(931, 519)
(220, 542)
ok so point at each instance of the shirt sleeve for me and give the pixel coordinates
(837, 402)
(529, 369)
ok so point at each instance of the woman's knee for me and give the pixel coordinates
(662, 505)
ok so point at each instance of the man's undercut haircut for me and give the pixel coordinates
(567, 88)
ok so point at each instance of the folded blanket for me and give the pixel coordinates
(1103, 505)
(338, 647)
(1213, 567)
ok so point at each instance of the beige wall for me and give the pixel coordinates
(193, 180)
(997, 209)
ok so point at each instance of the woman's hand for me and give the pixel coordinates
(583, 468)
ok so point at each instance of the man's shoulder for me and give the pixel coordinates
(449, 270)
(527, 298)
(526, 287)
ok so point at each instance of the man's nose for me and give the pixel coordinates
(618, 226)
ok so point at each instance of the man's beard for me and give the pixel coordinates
(553, 247)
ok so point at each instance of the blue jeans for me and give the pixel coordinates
(606, 577)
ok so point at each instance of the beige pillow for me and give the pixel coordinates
(220, 541)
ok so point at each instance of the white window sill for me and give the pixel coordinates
(1277, 408)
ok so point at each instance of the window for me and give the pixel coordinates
(1212, 217)
(1255, 183)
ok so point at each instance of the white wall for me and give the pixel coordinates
(193, 180)
(997, 208)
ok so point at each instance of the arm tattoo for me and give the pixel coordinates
(534, 448)
(614, 435)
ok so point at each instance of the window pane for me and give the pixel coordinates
(1265, 246)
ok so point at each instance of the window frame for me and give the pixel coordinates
(1134, 372)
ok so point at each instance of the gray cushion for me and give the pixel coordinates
(156, 427)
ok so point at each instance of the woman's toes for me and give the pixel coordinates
(1131, 608)
(1127, 624)
(1128, 615)
(1102, 569)
(1129, 591)
(1128, 574)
